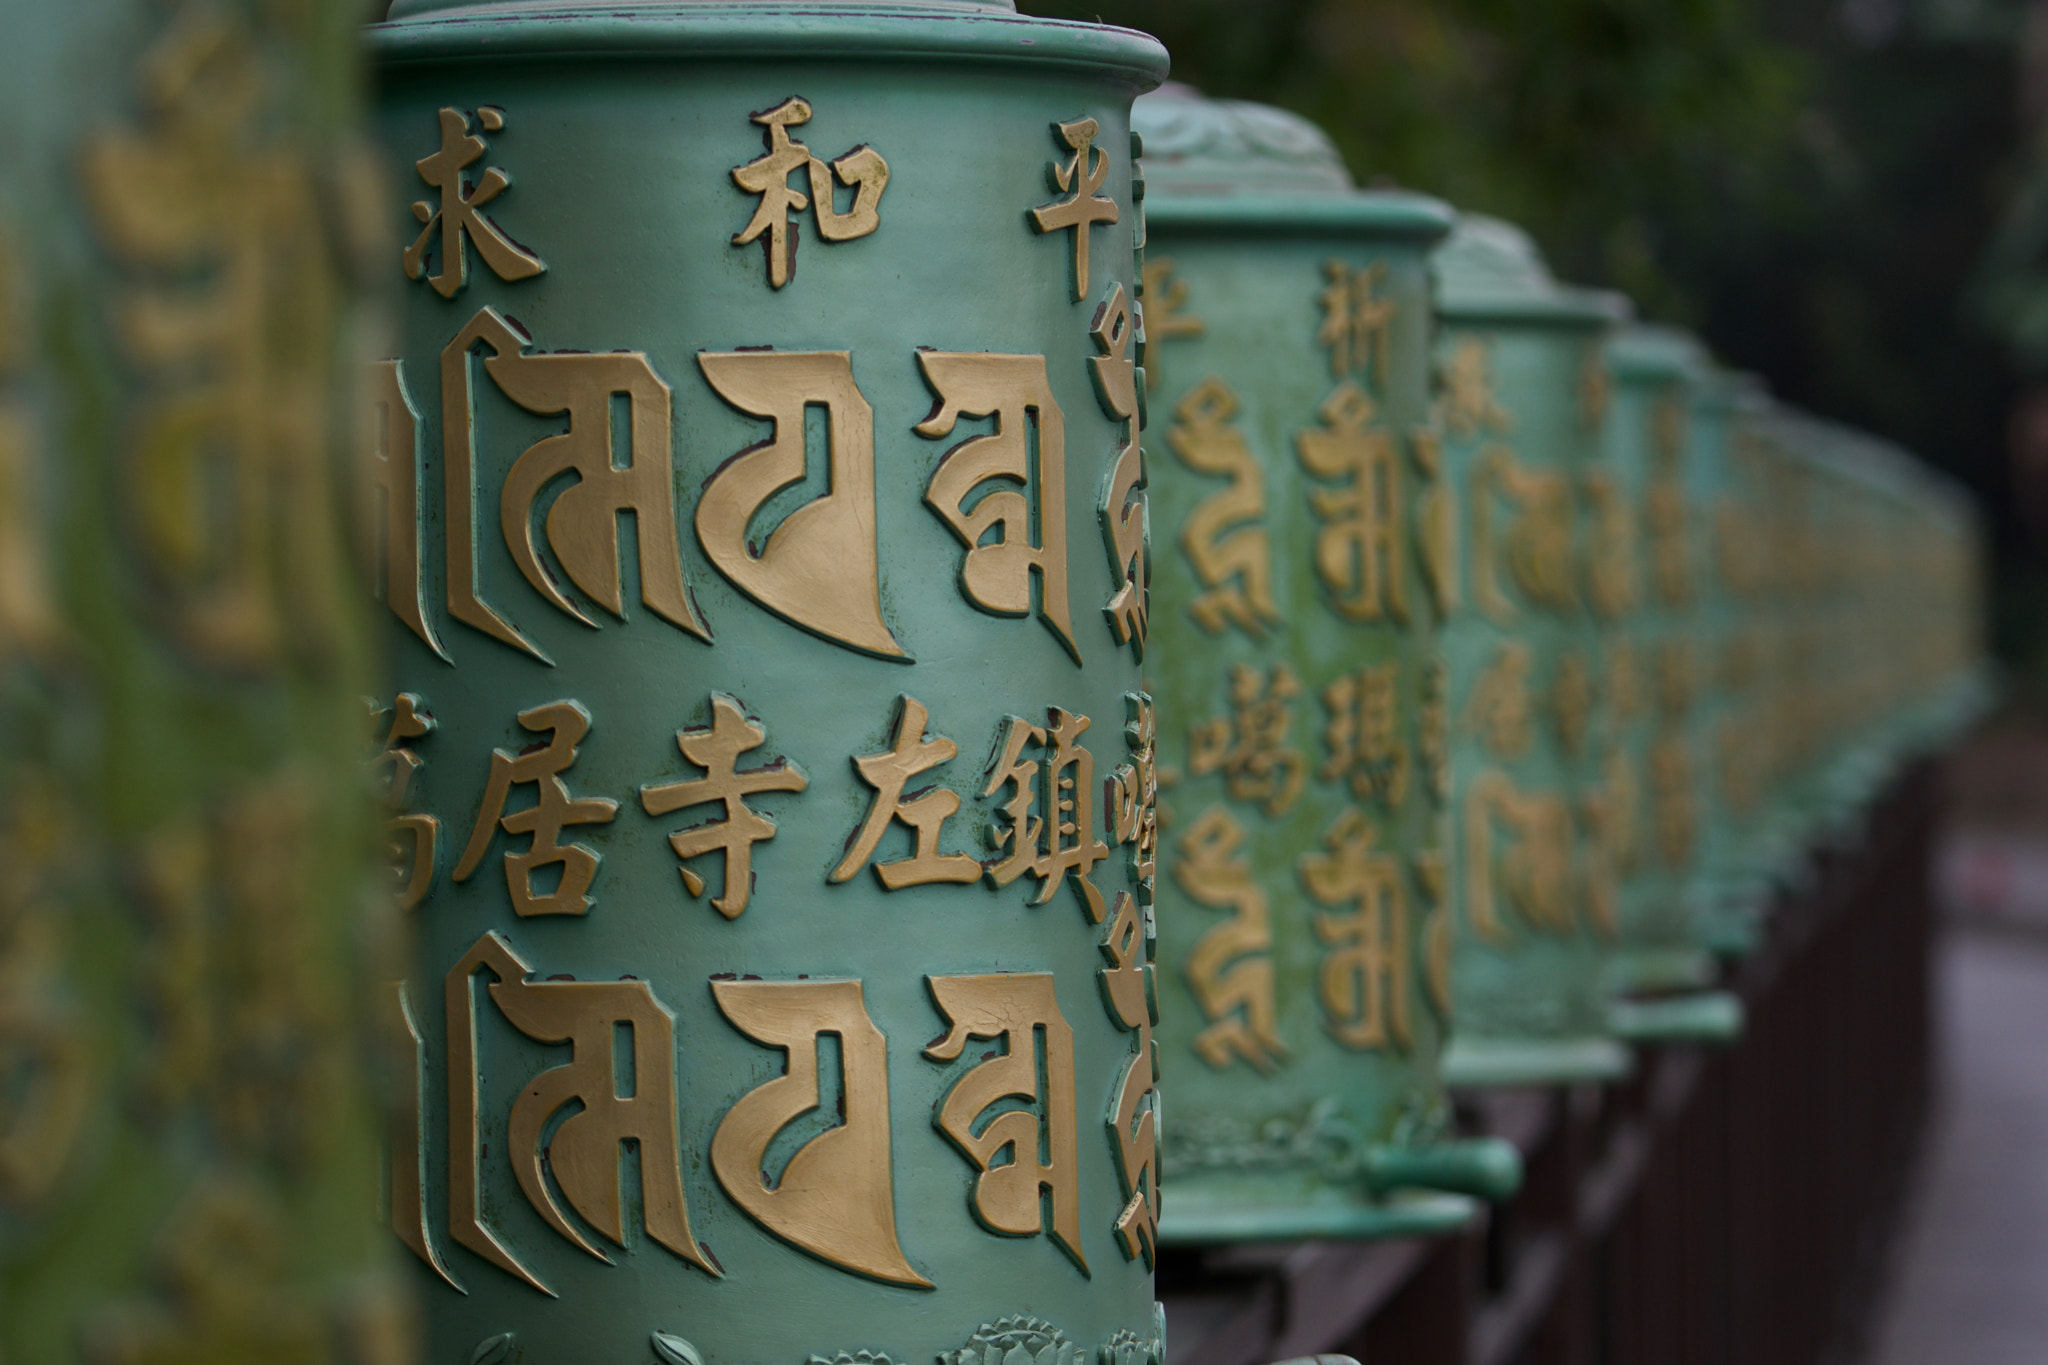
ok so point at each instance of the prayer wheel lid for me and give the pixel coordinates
(1490, 270)
(1234, 164)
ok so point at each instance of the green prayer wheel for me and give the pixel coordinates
(781, 871)
(1525, 386)
(1298, 591)
(188, 1139)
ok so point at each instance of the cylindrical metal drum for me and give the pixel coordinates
(1299, 581)
(1524, 388)
(763, 539)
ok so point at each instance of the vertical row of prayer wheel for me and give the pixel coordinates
(889, 672)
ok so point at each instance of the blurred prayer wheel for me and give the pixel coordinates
(1298, 584)
(839, 303)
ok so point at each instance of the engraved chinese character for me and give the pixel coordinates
(1534, 870)
(862, 168)
(889, 772)
(1468, 404)
(1018, 1012)
(582, 523)
(1363, 981)
(1064, 841)
(717, 750)
(1500, 709)
(1080, 180)
(1232, 559)
(1014, 572)
(1230, 968)
(580, 1156)
(1363, 735)
(833, 1196)
(415, 837)
(1128, 991)
(1134, 796)
(458, 217)
(541, 766)
(1126, 532)
(1166, 315)
(1359, 548)
(1357, 325)
(818, 566)
(1249, 746)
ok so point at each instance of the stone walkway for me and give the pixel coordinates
(1970, 1279)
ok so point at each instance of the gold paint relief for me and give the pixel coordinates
(1359, 554)
(1134, 796)
(834, 1197)
(1358, 325)
(716, 749)
(1433, 742)
(1611, 579)
(1500, 711)
(909, 755)
(1249, 745)
(1363, 736)
(396, 462)
(1571, 702)
(1133, 1119)
(1467, 406)
(405, 1113)
(1537, 542)
(1166, 315)
(1062, 773)
(582, 1152)
(1017, 571)
(818, 568)
(414, 838)
(1671, 788)
(1230, 968)
(1533, 870)
(458, 220)
(1363, 981)
(582, 524)
(28, 616)
(1436, 520)
(1225, 537)
(1033, 1062)
(1122, 507)
(565, 723)
(773, 225)
(1081, 181)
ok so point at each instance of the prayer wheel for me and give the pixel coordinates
(1525, 389)
(1299, 582)
(188, 1141)
(781, 870)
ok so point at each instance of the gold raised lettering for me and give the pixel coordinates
(1081, 180)
(1232, 560)
(1359, 554)
(1363, 980)
(1230, 968)
(862, 168)
(888, 772)
(459, 215)
(565, 723)
(717, 750)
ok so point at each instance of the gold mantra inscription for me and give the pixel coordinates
(1537, 543)
(1363, 980)
(888, 772)
(1122, 506)
(1249, 745)
(1358, 325)
(1081, 180)
(1611, 577)
(1536, 868)
(835, 1196)
(458, 218)
(1230, 968)
(1363, 735)
(1224, 538)
(1359, 553)
(1436, 516)
(1035, 1064)
(1134, 795)
(717, 750)
(862, 168)
(541, 766)
(415, 837)
(1063, 842)
(1132, 1000)
(1500, 711)
(1468, 407)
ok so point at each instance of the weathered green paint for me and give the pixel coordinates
(1306, 1099)
(1529, 999)
(187, 1144)
(622, 124)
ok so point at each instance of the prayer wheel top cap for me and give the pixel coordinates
(851, 31)
(1491, 270)
(1647, 351)
(1233, 164)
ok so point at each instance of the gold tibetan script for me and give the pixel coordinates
(458, 218)
(1358, 325)
(406, 1134)
(909, 754)
(1363, 981)
(1133, 1119)
(1225, 537)
(1436, 519)
(1230, 968)
(1535, 870)
(862, 168)
(581, 1152)
(1063, 842)
(1671, 781)
(1081, 180)
(583, 519)
(818, 568)
(1537, 544)
(717, 751)
(1025, 565)
(1359, 551)
(396, 463)
(541, 766)
(1134, 795)
(1249, 746)
(1122, 506)
(1611, 576)
(834, 1196)
(1034, 1064)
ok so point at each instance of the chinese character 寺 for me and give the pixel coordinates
(1359, 546)
(1064, 841)
(768, 176)
(1230, 968)
(888, 772)
(1357, 327)
(1249, 746)
(1224, 538)
(414, 836)
(1080, 180)
(717, 750)
(459, 215)
(542, 767)
(1363, 734)
(1363, 982)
